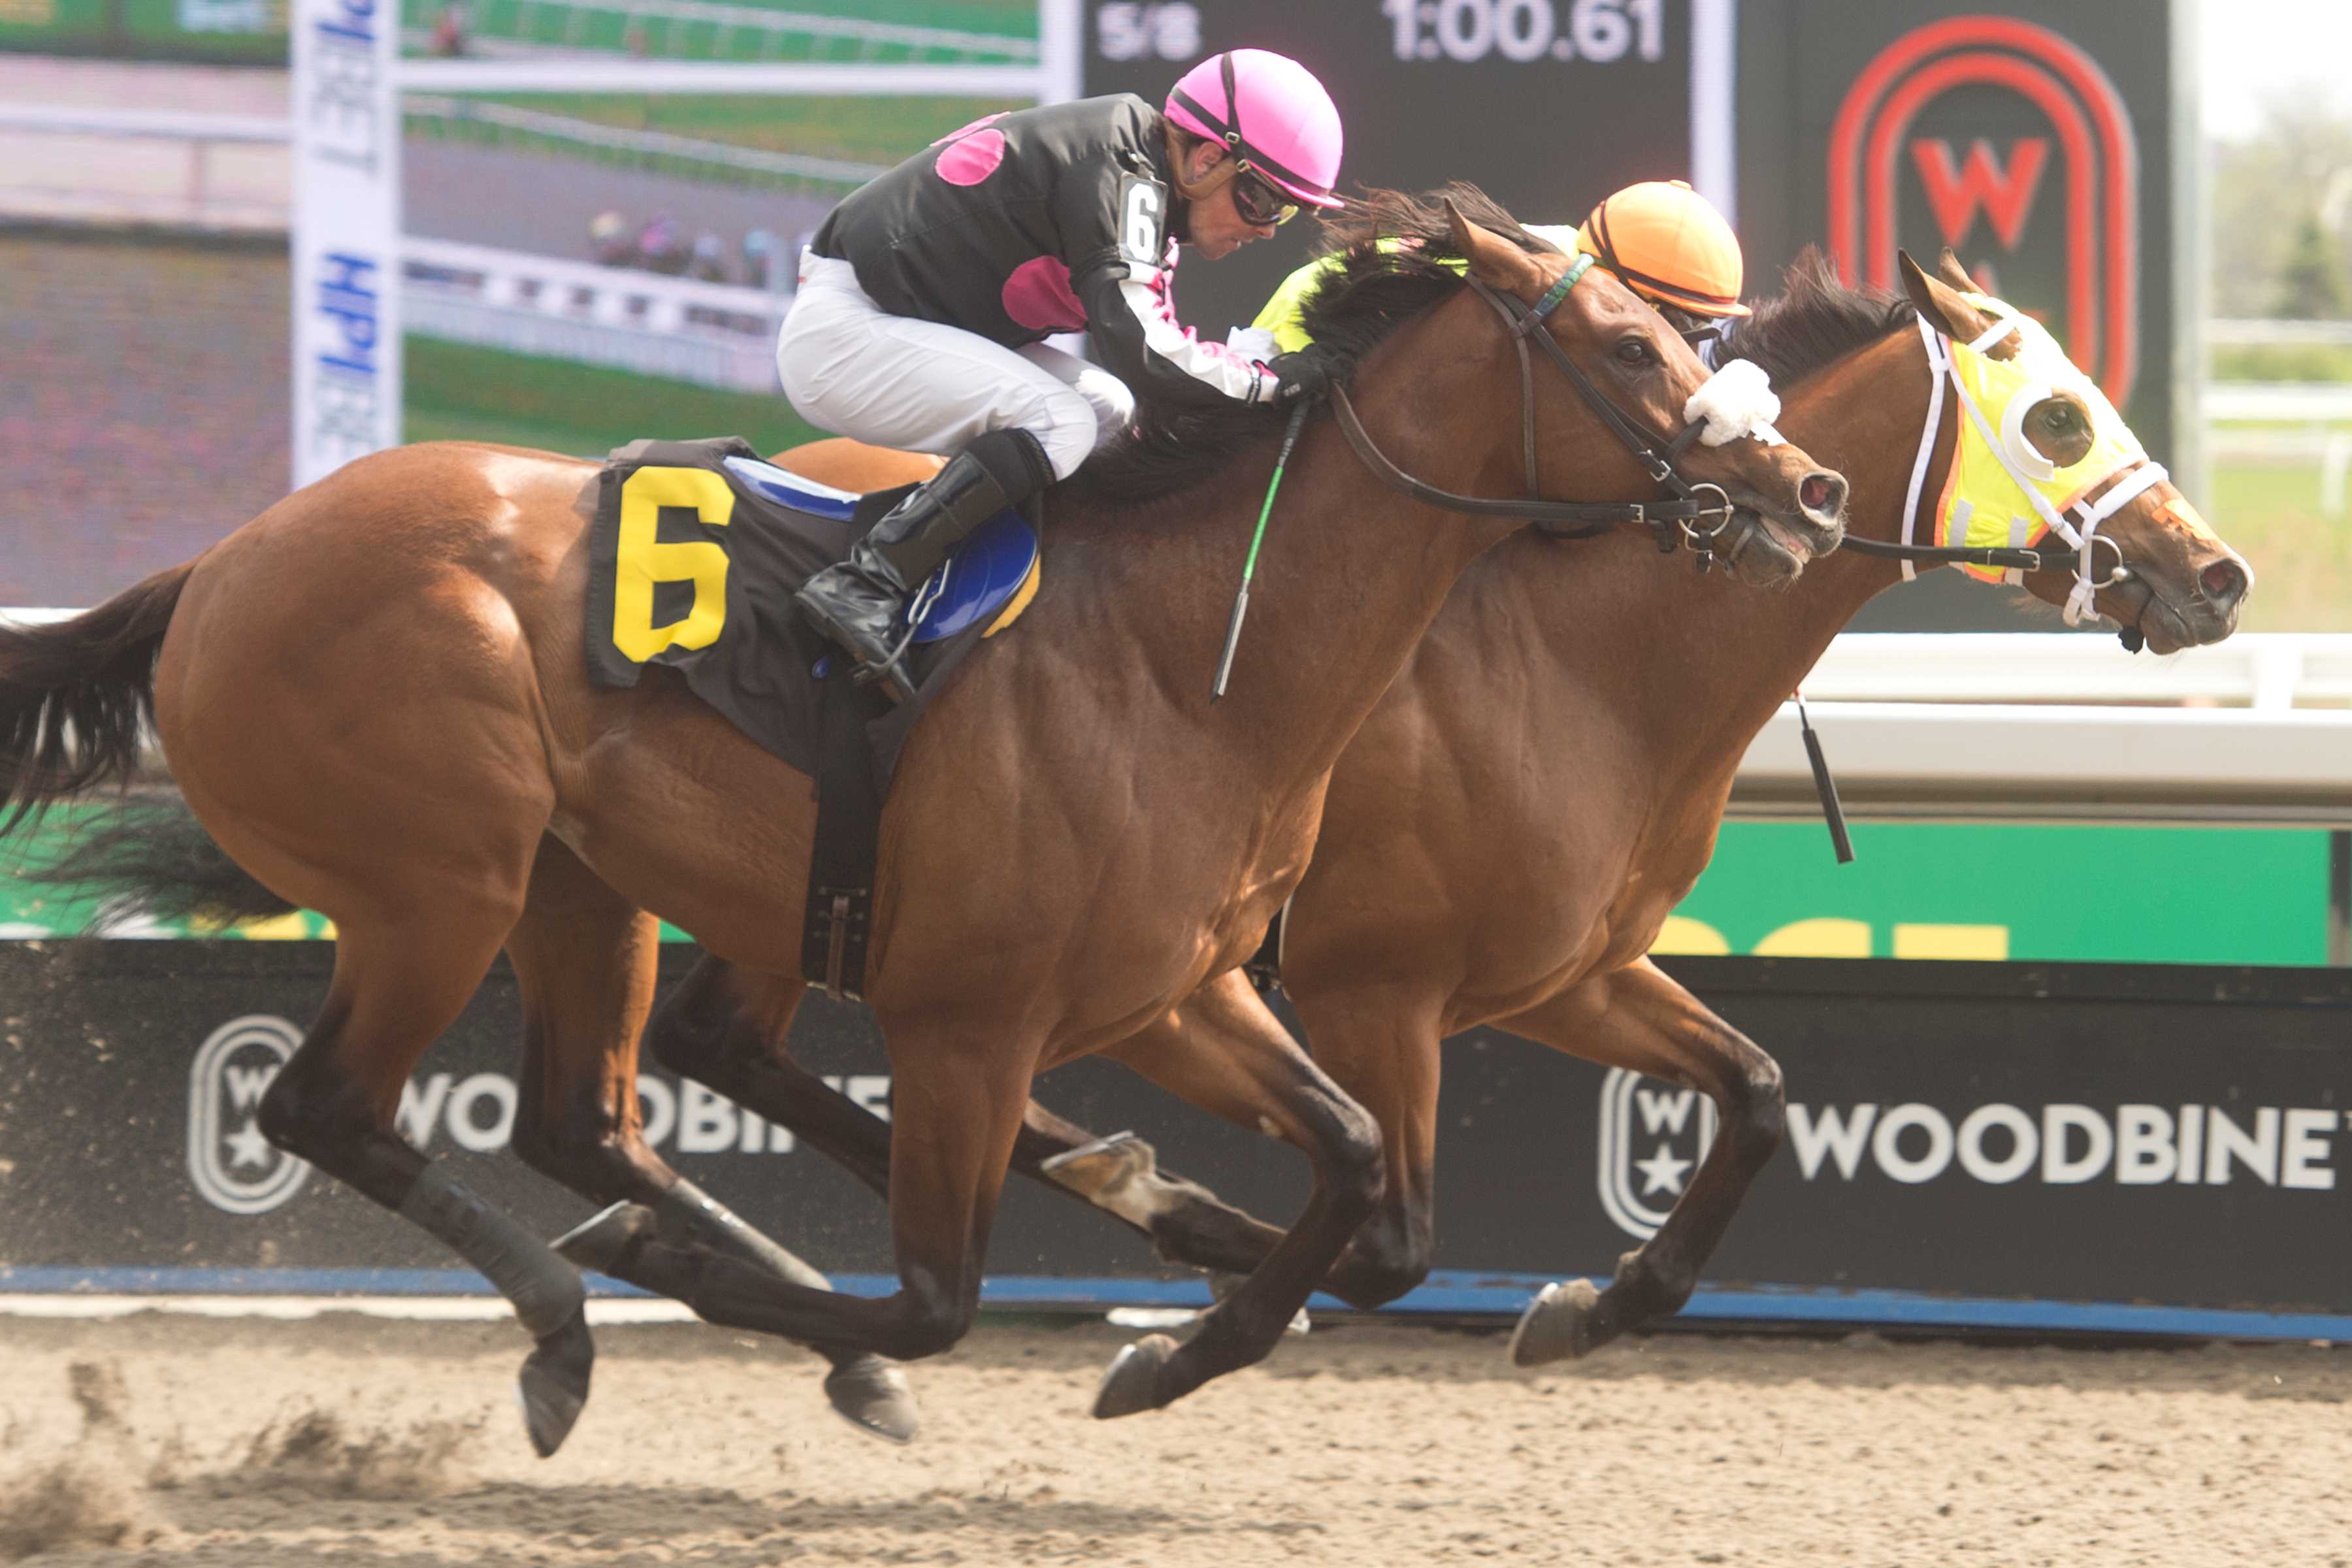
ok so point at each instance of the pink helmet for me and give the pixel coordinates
(1270, 113)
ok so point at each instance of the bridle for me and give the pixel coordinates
(1676, 523)
(2079, 558)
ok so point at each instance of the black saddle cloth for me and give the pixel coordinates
(759, 669)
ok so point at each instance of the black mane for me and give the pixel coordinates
(1814, 322)
(1374, 291)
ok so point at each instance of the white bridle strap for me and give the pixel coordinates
(2118, 495)
(1939, 365)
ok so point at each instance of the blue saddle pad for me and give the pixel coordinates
(979, 578)
(977, 581)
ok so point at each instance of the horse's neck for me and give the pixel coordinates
(1692, 667)
(1350, 577)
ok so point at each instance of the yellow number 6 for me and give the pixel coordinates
(643, 563)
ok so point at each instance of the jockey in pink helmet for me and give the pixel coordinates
(926, 297)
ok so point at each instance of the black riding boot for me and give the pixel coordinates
(857, 603)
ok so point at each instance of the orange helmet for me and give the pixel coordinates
(1670, 246)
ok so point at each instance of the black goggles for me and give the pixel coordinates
(1260, 205)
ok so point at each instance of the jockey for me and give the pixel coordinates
(1662, 239)
(924, 297)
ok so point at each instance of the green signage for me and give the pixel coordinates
(2139, 895)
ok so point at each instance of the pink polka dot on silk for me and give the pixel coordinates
(973, 159)
(1038, 296)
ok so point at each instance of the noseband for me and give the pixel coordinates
(1672, 524)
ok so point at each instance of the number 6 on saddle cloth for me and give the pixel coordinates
(694, 554)
(693, 557)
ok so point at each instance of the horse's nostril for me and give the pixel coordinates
(1821, 494)
(2222, 583)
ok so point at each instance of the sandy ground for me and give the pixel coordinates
(155, 1439)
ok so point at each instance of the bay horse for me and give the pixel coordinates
(1504, 838)
(373, 698)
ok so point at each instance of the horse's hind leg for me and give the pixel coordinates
(397, 985)
(584, 959)
(1639, 1019)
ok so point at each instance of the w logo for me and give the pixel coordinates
(1981, 184)
(2002, 75)
(1653, 1136)
(232, 1164)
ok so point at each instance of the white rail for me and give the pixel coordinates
(714, 334)
(647, 146)
(1921, 762)
(2249, 333)
(2277, 402)
(621, 74)
(726, 21)
(110, 190)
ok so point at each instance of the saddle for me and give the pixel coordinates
(694, 554)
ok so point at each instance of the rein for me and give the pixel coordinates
(1674, 523)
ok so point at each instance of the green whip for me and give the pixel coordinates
(1249, 568)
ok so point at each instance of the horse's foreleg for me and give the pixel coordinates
(957, 1111)
(1261, 1068)
(727, 1030)
(1639, 1019)
(396, 989)
(585, 959)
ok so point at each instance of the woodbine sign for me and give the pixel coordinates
(2094, 1146)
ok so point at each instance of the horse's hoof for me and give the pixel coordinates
(1102, 1167)
(874, 1396)
(554, 1383)
(606, 1237)
(1223, 1284)
(1556, 1325)
(1132, 1383)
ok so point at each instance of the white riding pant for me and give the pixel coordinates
(851, 367)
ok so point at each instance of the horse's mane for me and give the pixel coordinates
(1375, 289)
(1814, 322)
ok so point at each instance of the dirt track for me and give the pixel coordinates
(345, 1439)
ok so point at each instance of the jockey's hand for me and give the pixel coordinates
(1301, 374)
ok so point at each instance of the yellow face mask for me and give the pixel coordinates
(2001, 491)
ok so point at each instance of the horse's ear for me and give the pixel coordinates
(1493, 260)
(1948, 268)
(1940, 303)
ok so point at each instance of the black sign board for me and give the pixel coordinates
(2074, 1133)
(1548, 104)
(2041, 141)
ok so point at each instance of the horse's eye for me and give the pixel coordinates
(2060, 418)
(1634, 352)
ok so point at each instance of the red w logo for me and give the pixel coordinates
(1956, 194)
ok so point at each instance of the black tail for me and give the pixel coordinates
(77, 696)
(149, 855)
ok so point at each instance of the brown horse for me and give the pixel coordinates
(373, 697)
(1505, 836)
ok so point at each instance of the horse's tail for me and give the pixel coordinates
(149, 855)
(76, 696)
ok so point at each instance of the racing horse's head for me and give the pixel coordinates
(1763, 505)
(2040, 451)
